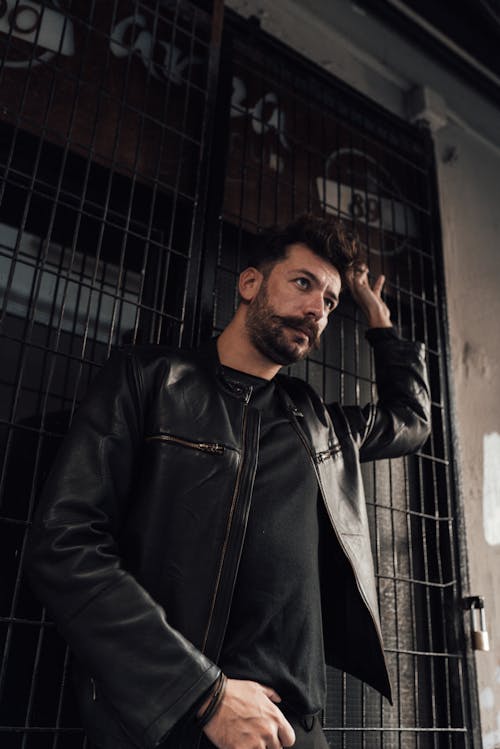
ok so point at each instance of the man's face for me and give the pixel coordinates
(286, 317)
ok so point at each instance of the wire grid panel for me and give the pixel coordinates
(102, 135)
(299, 141)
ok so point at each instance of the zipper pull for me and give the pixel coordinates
(211, 448)
(94, 690)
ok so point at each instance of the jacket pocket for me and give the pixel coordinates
(214, 448)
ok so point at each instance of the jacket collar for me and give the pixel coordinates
(209, 359)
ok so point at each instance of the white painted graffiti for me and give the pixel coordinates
(53, 31)
(172, 63)
(369, 194)
(255, 153)
(38, 25)
(260, 123)
(131, 36)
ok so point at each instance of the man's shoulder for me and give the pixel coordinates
(156, 364)
(298, 390)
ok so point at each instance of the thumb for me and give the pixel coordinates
(378, 285)
(269, 692)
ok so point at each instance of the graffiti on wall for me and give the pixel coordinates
(49, 30)
(367, 192)
(161, 59)
(269, 138)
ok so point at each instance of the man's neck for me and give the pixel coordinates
(236, 351)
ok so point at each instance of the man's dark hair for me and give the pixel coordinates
(327, 237)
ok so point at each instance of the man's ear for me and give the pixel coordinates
(249, 284)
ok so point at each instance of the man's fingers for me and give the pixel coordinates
(356, 277)
(286, 734)
(272, 739)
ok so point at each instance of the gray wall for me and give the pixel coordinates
(470, 200)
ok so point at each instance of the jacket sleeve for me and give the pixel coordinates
(399, 422)
(148, 672)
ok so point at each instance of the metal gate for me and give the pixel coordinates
(134, 175)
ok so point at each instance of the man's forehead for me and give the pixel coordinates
(300, 258)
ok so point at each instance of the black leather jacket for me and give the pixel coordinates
(136, 544)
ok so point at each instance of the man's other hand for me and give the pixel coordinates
(248, 718)
(369, 299)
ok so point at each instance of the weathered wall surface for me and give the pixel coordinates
(470, 215)
(372, 59)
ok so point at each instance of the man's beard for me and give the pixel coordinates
(266, 330)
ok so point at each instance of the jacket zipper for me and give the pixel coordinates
(229, 523)
(207, 447)
(339, 539)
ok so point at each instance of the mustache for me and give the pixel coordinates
(304, 324)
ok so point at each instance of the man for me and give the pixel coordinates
(203, 542)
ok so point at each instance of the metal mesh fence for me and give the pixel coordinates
(103, 156)
(301, 142)
(102, 143)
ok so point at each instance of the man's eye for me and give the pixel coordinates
(302, 282)
(330, 304)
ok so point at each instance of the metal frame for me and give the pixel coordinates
(445, 663)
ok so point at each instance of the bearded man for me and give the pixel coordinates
(203, 542)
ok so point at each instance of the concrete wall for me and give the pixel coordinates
(470, 201)
(360, 50)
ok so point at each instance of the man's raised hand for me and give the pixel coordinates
(369, 298)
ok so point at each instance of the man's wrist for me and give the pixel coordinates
(376, 322)
(211, 705)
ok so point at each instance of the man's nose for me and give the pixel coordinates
(315, 307)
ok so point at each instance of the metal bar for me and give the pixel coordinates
(206, 300)
(199, 219)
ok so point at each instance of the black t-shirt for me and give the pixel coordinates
(274, 633)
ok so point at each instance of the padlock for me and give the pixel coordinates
(480, 638)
